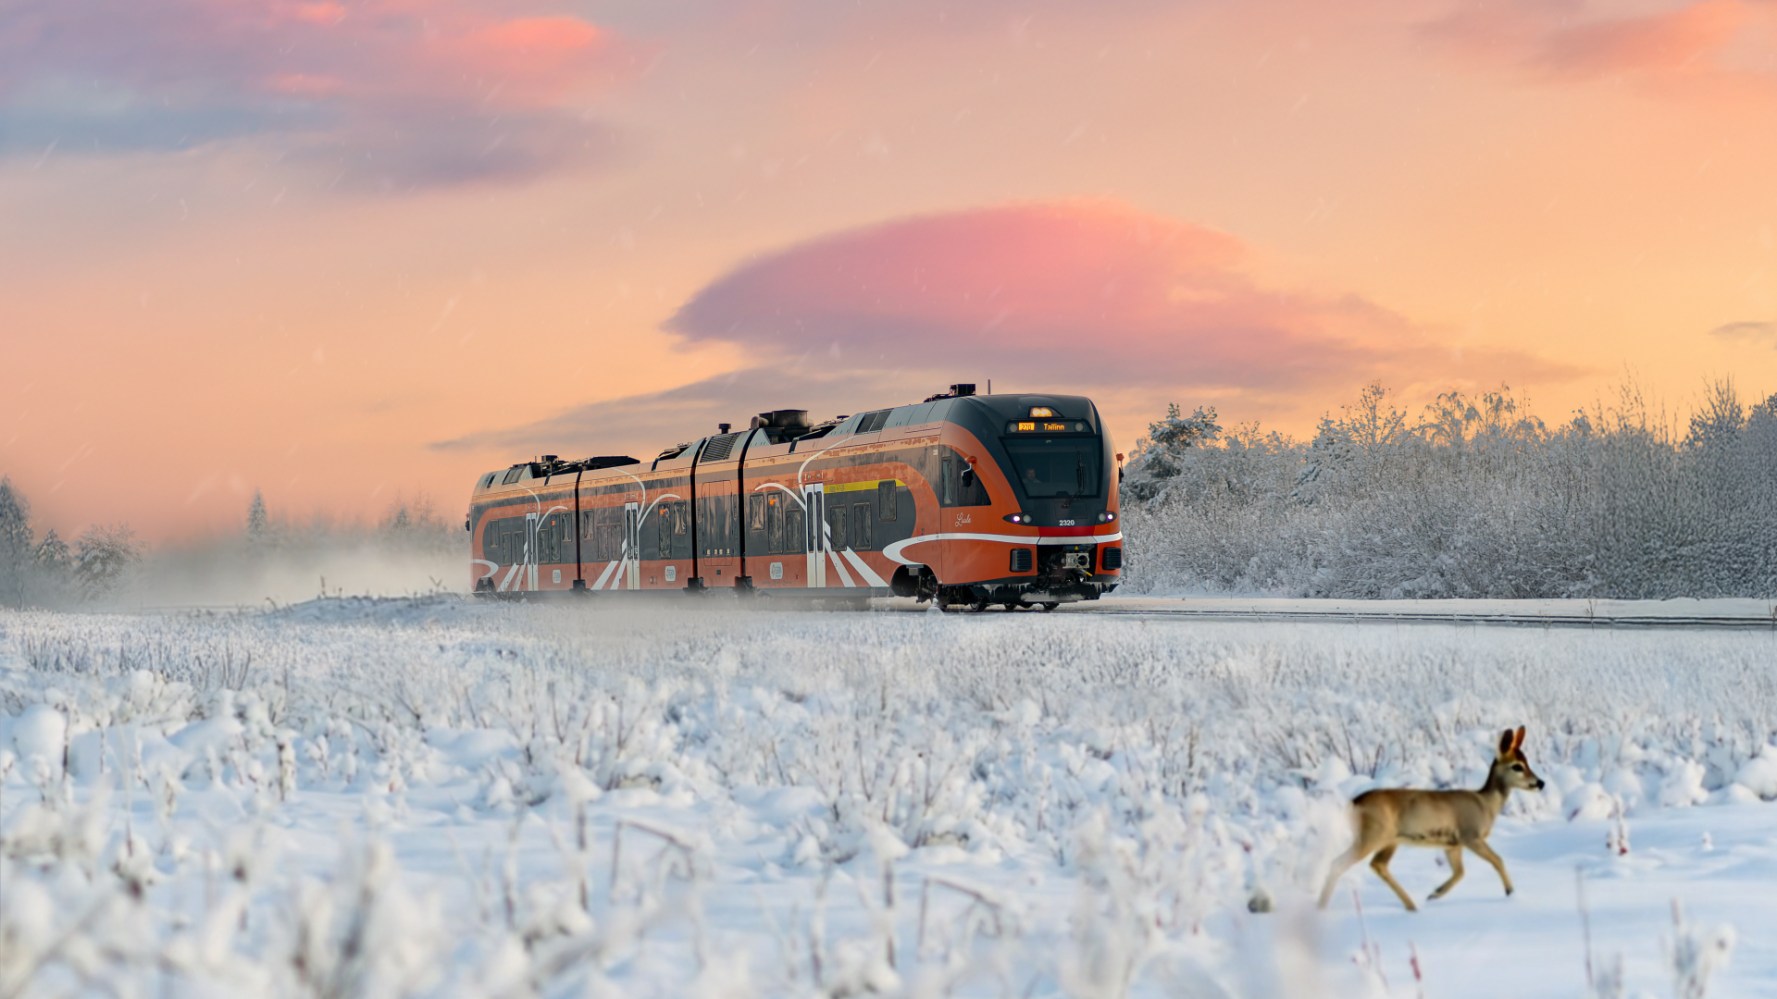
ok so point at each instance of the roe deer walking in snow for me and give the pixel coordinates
(1386, 818)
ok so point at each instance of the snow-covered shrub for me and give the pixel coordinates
(1473, 498)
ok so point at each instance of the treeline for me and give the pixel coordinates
(1472, 497)
(409, 524)
(409, 549)
(49, 571)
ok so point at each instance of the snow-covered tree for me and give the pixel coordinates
(258, 522)
(1157, 456)
(101, 555)
(1477, 497)
(17, 556)
(414, 525)
(53, 554)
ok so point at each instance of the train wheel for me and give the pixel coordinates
(1049, 605)
(1010, 605)
(978, 606)
(928, 589)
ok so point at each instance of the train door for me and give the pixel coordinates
(632, 546)
(814, 499)
(532, 548)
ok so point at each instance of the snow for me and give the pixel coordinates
(1743, 611)
(1759, 774)
(442, 797)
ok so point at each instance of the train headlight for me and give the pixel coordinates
(1106, 517)
(1018, 518)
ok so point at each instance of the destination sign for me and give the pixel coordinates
(1047, 427)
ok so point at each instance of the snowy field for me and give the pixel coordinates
(440, 797)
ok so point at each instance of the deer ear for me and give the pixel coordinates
(1505, 743)
(1518, 740)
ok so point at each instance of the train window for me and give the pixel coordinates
(663, 514)
(972, 491)
(487, 481)
(958, 483)
(586, 525)
(723, 511)
(863, 531)
(512, 476)
(681, 520)
(794, 530)
(1057, 466)
(837, 518)
(610, 530)
(756, 512)
(774, 526)
(908, 416)
(885, 498)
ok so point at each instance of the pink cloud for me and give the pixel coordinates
(305, 84)
(325, 77)
(1132, 308)
(320, 13)
(1061, 291)
(1660, 42)
(1708, 44)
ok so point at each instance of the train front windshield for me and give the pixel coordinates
(1050, 467)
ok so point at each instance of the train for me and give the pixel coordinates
(963, 499)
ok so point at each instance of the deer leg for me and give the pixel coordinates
(1379, 864)
(1454, 854)
(1486, 853)
(1345, 863)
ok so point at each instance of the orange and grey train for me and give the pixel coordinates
(965, 499)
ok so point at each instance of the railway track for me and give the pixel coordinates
(1714, 615)
(1756, 616)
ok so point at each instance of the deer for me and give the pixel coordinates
(1387, 817)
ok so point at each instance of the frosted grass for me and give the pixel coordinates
(438, 797)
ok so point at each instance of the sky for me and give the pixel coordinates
(350, 254)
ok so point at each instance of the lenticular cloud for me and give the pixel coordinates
(1142, 299)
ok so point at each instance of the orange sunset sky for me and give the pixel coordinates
(343, 252)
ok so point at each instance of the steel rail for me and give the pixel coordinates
(1519, 620)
